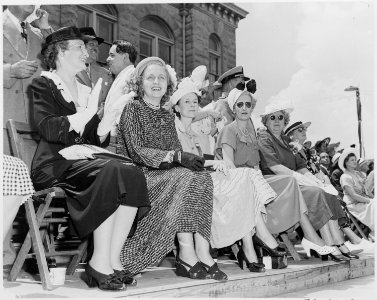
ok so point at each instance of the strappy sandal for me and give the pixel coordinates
(195, 272)
(213, 272)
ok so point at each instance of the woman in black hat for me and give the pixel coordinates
(104, 196)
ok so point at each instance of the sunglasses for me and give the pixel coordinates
(241, 104)
(280, 117)
(301, 129)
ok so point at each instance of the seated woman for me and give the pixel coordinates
(277, 159)
(17, 188)
(297, 134)
(103, 195)
(181, 198)
(237, 144)
(352, 182)
(239, 195)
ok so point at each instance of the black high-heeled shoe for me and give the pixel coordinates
(264, 250)
(253, 267)
(213, 272)
(196, 271)
(347, 254)
(103, 281)
(126, 277)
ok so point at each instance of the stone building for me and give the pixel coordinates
(184, 35)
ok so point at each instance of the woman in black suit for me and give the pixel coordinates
(103, 195)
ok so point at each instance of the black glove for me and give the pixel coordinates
(251, 86)
(189, 160)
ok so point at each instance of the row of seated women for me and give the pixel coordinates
(136, 210)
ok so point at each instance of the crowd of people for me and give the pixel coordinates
(206, 176)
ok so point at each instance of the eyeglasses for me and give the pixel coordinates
(241, 104)
(280, 117)
(301, 129)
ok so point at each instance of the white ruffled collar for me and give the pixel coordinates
(83, 90)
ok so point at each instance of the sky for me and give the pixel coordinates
(307, 53)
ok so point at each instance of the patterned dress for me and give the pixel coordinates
(16, 178)
(181, 199)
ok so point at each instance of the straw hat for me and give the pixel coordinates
(296, 125)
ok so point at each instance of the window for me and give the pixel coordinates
(103, 19)
(214, 58)
(156, 39)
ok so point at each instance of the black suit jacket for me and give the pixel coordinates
(50, 116)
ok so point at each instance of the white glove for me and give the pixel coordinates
(112, 114)
(81, 118)
(221, 166)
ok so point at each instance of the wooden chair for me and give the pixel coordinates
(40, 211)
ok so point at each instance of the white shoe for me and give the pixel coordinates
(321, 250)
(354, 248)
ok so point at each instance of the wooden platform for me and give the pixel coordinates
(162, 282)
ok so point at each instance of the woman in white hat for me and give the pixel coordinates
(277, 158)
(352, 182)
(239, 194)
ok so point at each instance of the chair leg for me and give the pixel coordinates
(77, 258)
(290, 247)
(354, 221)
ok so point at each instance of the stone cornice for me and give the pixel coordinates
(228, 12)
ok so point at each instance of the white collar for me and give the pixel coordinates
(83, 90)
(14, 19)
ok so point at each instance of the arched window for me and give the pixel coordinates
(156, 39)
(103, 18)
(214, 58)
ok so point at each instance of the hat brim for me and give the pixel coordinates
(88, 38)
(286, 109)
(343, 156)
(306, 125)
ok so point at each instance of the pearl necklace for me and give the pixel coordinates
(153, 106)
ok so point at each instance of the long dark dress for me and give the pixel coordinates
(181, 199)
(321, 206)
(94, 188)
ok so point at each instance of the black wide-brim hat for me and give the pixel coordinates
(319, 143)
(62, 34)
(89, 35)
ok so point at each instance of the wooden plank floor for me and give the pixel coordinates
(162, 282)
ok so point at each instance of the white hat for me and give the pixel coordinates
(191, 84)
(277, 106)
(344, 155)
(233, 96)
(198, 76)
(336, 157)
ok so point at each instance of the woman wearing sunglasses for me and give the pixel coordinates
(237, 144)
(277, 158)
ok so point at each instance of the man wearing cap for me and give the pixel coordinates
(93, 70)
(226, 82)
(21, 45)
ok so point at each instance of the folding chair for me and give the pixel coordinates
(355, 222)
(40, 210)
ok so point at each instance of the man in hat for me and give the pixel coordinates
(21, 45)
(336, 172)
(226, 82)
(321, 146)
(93, 70)
(324, 163)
